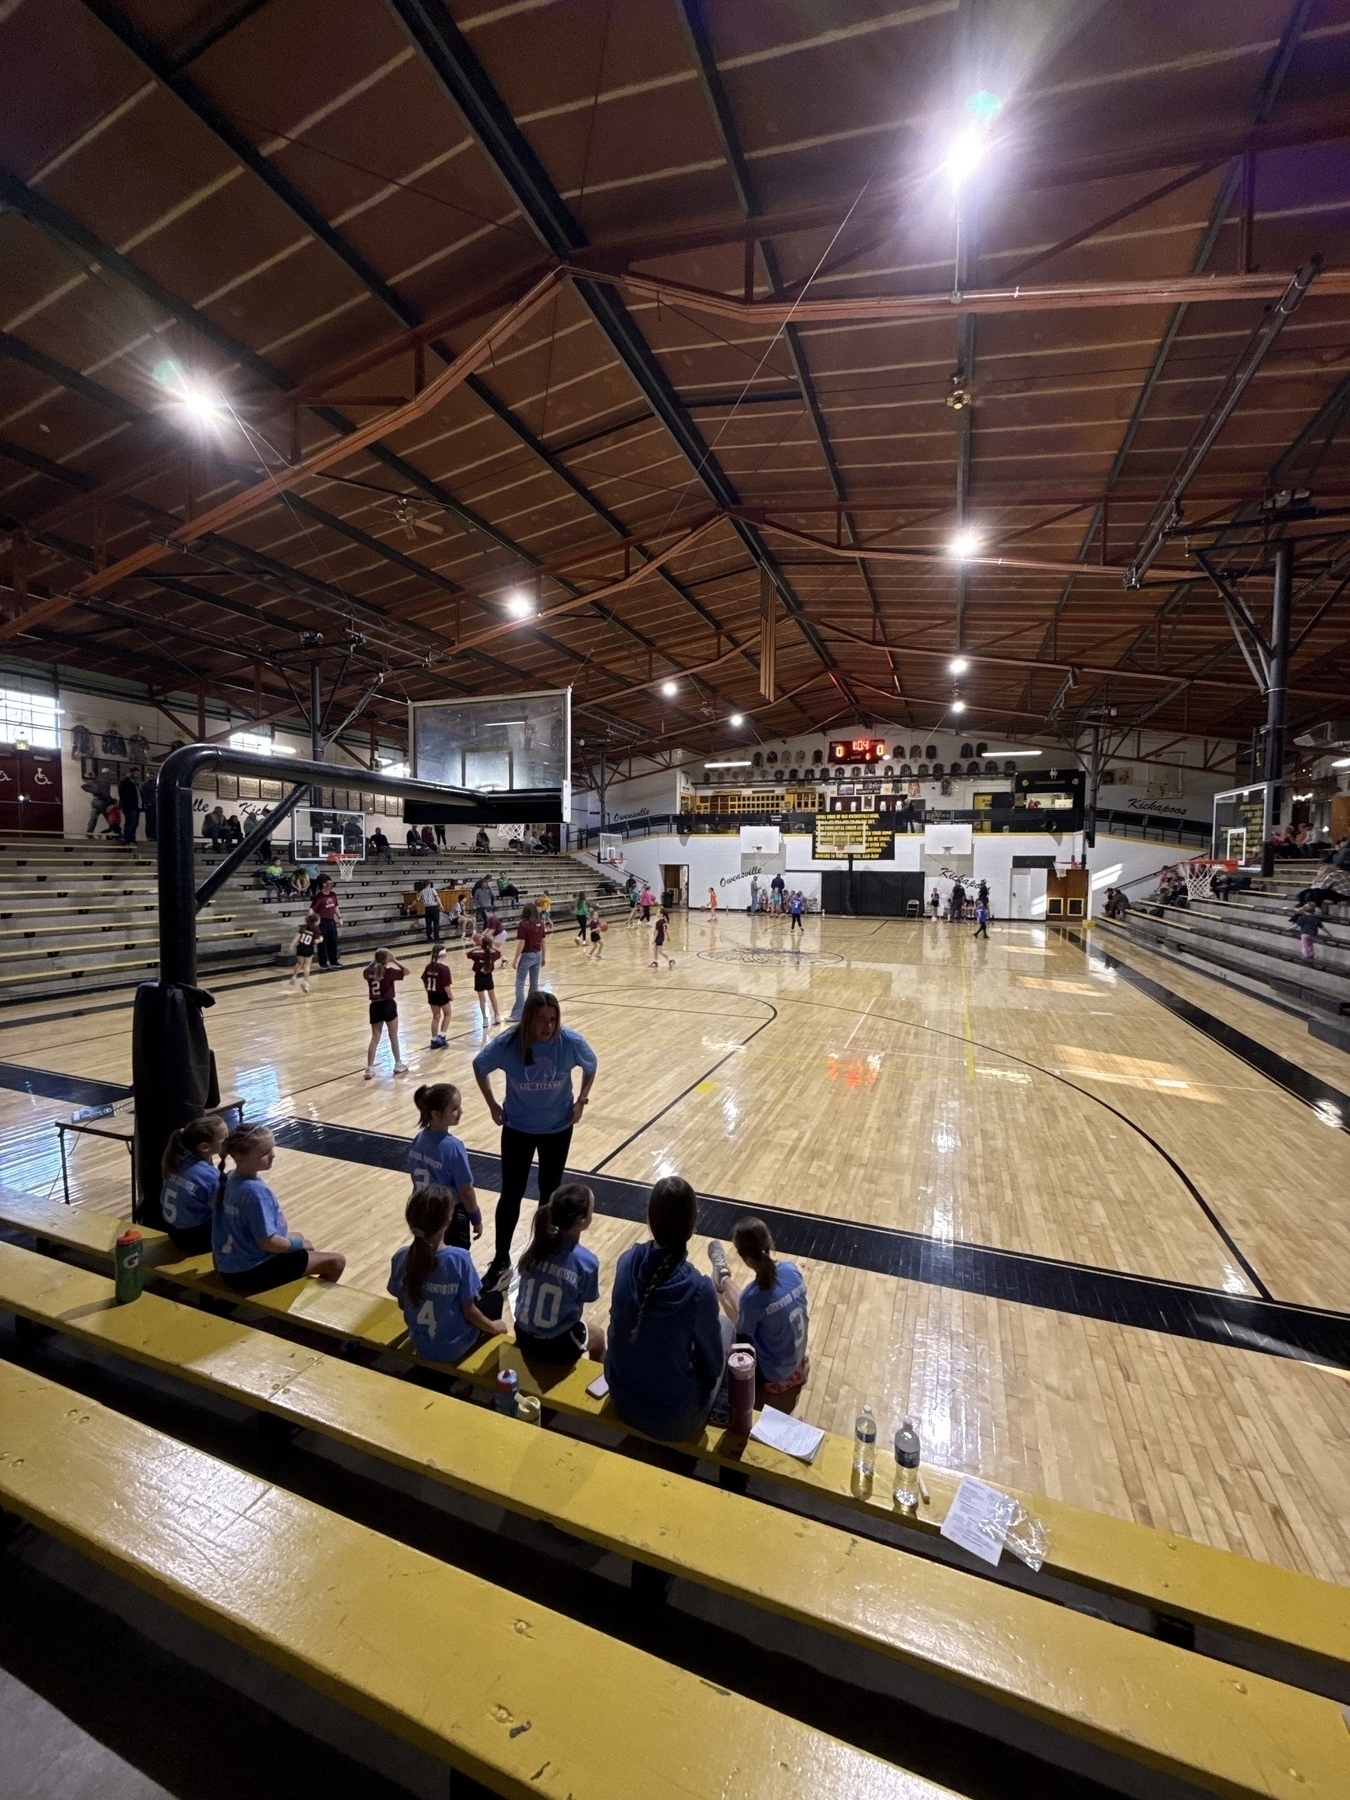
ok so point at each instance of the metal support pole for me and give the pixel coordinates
(604, 783)
(315, 737)
(1276, 692)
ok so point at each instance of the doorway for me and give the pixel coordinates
(675, 884)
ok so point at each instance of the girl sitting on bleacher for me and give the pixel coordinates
(436, 1283)
(251, 1244)
(191, 1182)
(557, 1278)
(770, 1313)
(667, 1347)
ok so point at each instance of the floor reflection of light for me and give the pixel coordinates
(258, 1088)
(1329, 1114)
(731, 1113)
(1233, 1282)
(1133, 1071)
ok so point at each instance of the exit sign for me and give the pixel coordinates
(857, 750)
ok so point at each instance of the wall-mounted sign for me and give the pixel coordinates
(837, 836)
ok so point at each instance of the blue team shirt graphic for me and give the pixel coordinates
(538, 1093)
(437, 1325)
(248, 1212)
(439, 1159)
(775, 1321)
(188, 1196)
(552, 1293)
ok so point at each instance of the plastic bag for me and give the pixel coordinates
(1026, 1537)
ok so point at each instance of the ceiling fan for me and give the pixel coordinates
(413, 522)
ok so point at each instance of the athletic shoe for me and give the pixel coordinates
(717, 1256)
(498, 1277)
(370, 1074)
(721, 1407)
(304, 987)
(400, 1068)
(672, 962)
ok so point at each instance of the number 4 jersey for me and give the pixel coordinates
(552, 1293)
(436, 1324)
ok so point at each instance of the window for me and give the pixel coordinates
(29, 719)
(260, 746)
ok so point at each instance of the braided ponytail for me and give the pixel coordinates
(672, 1212)
(553, 1219)
(754, 1245)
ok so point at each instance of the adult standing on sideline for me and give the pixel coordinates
(150, 807)
(129, 799)
(778, 885)
(431, 910)
(957, 909)
(324, 902)
(754, 894)
(538, 1112)
(482, 899)
(531, 956)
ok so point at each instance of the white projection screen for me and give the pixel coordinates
(496, 744)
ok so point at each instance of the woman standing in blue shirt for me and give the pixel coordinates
(667, 1347)
(557, 1279)
(436, 1283)
(251, 1244)
(771, 1313)
(538, 1112)
(191, 1182)
(437, 1158)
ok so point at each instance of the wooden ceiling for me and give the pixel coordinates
(560, 341)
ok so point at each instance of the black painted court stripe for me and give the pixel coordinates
(49, 1084)
(1301, 1083)
(1205, 1315)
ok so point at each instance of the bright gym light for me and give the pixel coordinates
(669, 689)
(958, 665)
(519, 603)
(201, 404)
(958, 706)
(736, 719)
(728, 765)
(965, 544)
(964, 156)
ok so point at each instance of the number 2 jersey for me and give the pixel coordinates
(437, 1325)
(552, 1293)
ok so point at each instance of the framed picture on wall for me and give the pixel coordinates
(227, 787)
(271, 790)
(248, 788)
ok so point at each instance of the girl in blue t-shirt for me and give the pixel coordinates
(557, 1279)
(191, 1182)
(436, 1283)
(251, 1244)
(437, 1158)
(771, 1313)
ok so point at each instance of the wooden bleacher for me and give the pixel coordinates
(1238, 1599)
(367, 1621)
(1123, 1693)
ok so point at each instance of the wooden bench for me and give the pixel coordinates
(467, 1672)
(1127, 1695)
(1233, 1596)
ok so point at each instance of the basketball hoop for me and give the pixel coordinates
(1199, 874)
(346, 865)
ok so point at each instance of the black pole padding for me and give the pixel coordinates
(173, 1075)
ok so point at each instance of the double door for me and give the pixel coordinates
(30, 790)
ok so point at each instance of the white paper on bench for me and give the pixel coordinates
(780, 1432)
(978, 1518)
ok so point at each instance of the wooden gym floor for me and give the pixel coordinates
(975, 1150)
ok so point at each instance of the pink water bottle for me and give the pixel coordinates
(741, 1389)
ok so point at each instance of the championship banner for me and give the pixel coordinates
(837, 836)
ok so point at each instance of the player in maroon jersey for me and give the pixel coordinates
(380, 978)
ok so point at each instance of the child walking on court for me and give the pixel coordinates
(982, 918)
(436, 981)
(598, 928)
(557, 1278)
(305, 940)
(381, 978)
(483, 958)
(438, 1159)
(437, 1285)
(660, 932)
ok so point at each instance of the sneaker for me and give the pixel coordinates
(304, 987)
(672, 962)
(370, 1074)
(717, 1256)
(498, 1278)
(400, 1068)
(721, 1407)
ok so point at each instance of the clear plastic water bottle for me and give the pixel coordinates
(865, 1443)
(907, 1466)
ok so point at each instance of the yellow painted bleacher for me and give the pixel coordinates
(1126, 1694)
(487, 1682)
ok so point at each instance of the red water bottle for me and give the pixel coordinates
(741, 1389)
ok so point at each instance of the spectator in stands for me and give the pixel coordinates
(1307, 922)
(506, 888)
(99, 789)
(1330, 886)
(150, 807)
(252, 1246)
(557, 1279)
(275, 880)
(429, 839)
(192, 1182)
(770, 1314)
(440, 834)
(129, 799)
(415, 845)
(234, 831)
(215, 827)
(379, 845)
(538, 1112)
(437, 1285)
(324, 902)
(1117, 905)
(112, 821)
(480, 843)
(667, 1346)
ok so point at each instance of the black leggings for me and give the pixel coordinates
(328, 944)
(518, 1152)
